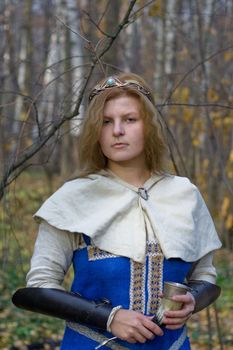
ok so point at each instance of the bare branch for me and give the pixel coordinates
(76, 33)
(28, 154)
(97, 25)
(200, 63)
(194, 105)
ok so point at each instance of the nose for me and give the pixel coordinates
(118, 129)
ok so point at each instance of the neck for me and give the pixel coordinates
(133, 175)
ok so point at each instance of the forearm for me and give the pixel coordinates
(65, 305)
(44, 293)
(202, 283)
(204, 293)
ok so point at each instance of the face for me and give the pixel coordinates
(122, 134)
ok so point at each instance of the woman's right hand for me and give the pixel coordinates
(134, 327)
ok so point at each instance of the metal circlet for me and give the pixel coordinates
(112, 82)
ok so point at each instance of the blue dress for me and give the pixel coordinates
(99, 274)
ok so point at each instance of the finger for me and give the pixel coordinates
(186, 312)
(138, 331)
(139, 338)
(131, 340)
(152, 326)
(146, 333)
(185, 298)
(174, 321)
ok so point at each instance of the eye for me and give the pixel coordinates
(106, 121)
(131, 120)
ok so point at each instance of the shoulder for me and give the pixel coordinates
(174, 179)
(65, 202)
(79, 184)
(176, 189)
(72, 192)
(178, 182)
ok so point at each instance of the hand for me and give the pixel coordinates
(176, 319)
(134, 327)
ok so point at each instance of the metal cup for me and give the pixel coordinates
(167, 304)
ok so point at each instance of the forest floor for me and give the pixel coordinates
(211, 329)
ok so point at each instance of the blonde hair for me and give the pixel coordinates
(91, 158)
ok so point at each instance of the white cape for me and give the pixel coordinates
(113, 214)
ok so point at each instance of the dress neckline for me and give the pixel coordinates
(148, 184)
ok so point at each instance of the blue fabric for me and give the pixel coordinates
(75, 341)
(100, 275)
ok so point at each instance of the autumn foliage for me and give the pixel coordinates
(52, 52)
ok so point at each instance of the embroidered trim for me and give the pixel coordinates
(154, 282)
(81, 242)
(180, 341)
(153, 248)
(95, 253)
(93, 335)
(137, 286)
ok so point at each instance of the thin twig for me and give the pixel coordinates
(73, 31)
(210, 57)
(97, 25)
(57, 124)
(215, 105)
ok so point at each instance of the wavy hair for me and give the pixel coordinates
(91, 159)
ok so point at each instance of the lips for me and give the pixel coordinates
(119, 145)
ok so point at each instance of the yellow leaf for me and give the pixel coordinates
(23, 116)
(217, 123)
(225, 206)
(198, 125)
(229, 222)
(231, 156)
(185, 92)
(226, 82)
(205, 163)
(196, 142)
(172, 121)
(188, 115)
(157, 9)
(228, 56)
(215, 115)
(7, 146)
(212, 95)
(228, 121)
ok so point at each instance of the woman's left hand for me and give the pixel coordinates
(176, 319)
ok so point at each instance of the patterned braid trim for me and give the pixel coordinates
(100, 338)
(95, 253)
(93, 335)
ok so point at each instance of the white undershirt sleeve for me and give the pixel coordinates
(205, 270)
(52, 257)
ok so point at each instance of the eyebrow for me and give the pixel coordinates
(124, 115)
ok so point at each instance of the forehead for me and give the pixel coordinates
(126, 103)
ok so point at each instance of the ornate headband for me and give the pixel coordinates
(112, 82)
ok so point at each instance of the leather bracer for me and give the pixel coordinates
(205, 293)
(65, 305)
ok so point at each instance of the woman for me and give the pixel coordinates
(127, 226)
